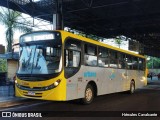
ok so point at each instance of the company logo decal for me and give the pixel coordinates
(112, 75)
(90, 74)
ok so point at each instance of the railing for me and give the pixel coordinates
(7, 90)
(20, 2)
(3, 78)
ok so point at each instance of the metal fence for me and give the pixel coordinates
(7, 90)
(3, 78)
(6, 86)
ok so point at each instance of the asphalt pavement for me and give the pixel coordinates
(7, 97)
(7, 92)
(145, 99)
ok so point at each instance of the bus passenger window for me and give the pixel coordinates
(73, 44)
(91, 60)
(113, 59)
(135, 63)
(141, 64)
(121, 61)
(72, 58)
(103, 60)
(129, 62)
(90, 55)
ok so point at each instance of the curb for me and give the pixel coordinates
(12, 102)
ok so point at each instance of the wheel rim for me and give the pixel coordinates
(89, 94)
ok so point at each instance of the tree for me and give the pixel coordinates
(3, 65)
(153, 62)
(78, 32)
(118, 41)
(10, 19)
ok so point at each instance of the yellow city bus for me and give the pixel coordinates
(61, 66)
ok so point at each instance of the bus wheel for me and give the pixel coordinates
(89, 95)
(132, 87)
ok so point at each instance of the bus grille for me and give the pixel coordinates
(31, 89)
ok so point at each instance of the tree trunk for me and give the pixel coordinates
(9, 37)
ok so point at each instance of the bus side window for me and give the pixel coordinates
(129, 62)
(72, 58)
(121, 61)
(103, 57)
(113, 59)
(135, 63)
(90, 57)
(72, 53)
(141, 64)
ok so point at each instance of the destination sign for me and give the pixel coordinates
(37, 36)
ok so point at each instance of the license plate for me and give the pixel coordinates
(31, 93)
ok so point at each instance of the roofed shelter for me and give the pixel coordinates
(137, 19)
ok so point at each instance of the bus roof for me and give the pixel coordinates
(68, 34)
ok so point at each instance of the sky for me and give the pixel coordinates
(42, 25)
(2, 35)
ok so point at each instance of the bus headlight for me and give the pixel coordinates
(55, 84)
(15, 81)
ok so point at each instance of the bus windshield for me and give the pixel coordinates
(40, 56)
(39, 59)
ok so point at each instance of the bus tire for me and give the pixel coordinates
(88, 95)
(132, 87)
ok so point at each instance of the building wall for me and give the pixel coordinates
(12, 68)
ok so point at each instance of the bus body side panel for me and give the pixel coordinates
(108, 80)
(58, 93)
(132, 75)
(76, 84)
(142, 80)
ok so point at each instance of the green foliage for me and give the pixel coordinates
(91, 36)
(10, 19)
(118, 42)
(3, 65)
(153, 62)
